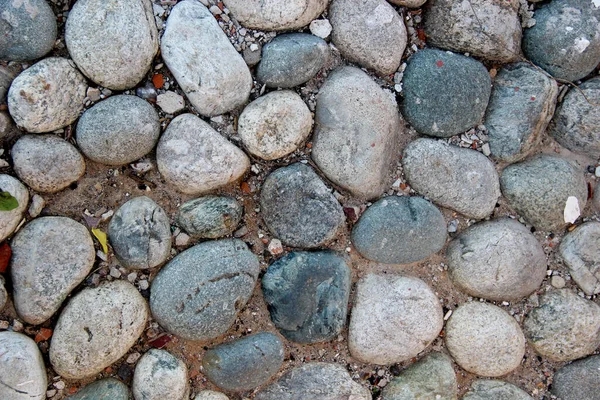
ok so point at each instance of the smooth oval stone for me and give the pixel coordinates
(463, 180)
(400, 230)
(198, 294)
(368, 32)
(307, 295)
(210, 217)
(276, 15)
(195, 158)
(245, 363)
(580, 250)
(96, 328)
(118, 130)
(564, 327)
(47, 163)
(496, 260)
(357, 127)
(495, 390)
(51, 256)
(140, 234)
(540, 187)
(113, 42)
(299, 209)
(205, 64)
(160, 376)
(9, 220)
(444, 93)
(22, 369)
(291, 59)
(104, 389)
(47, 96)
(565, 40)
(578, 380)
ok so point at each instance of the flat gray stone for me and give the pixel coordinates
(104, 389)
(198, 294)
(580, 250)
(579, 380)
(539, 188)
(307, 295)
(244, 364)
(112, 42)
(521, 106)
(299, 209)
(159, 375)
(118, 130)
(400, 230)
(291, 59)
(9, 220)
(495, 390)
(463, 180)
(276, 15)
(564, 327)
(22, 369)
(210, 217)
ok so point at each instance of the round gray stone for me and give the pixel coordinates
(140, 234)
(210, 395)
(103, 389)
(9, 220)
(484, 339)
(539, 188)
(463, 180)
(307, 295)
(27, 29)
(400, 230)
(198, 294)
(576, 124)
(394, 318)
(444, 93)
(357, 127)
(112, 42)
(96, 328)
(160, 376)
(3, 293)
(210, 217)
(291, 59)
(299, 209)
(496, 260)
(521, 106)
(495, 390)
(565, 40)
(579, 380)
(314, 381)
(580, 250)
(47, 163)
(118, 130)
(22, 369)
(47, 96)
(51, 256)
(368, 32)
(245, 363)
(432, 377)
(564, 327)
(276, 15)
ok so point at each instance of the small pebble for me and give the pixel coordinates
(558, 282)
(321, 28)
(183, 239)
(36, 206)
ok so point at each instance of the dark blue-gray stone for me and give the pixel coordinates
(291, 59)
(27, 29)
(104, 389)
(307, 295)
(245, 363)
(565, 40)
(210, 216)
(400, 230)
(579, 380)
(444, 93)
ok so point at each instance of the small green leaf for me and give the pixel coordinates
(7, 202)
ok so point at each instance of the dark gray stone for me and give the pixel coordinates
(307, 295)
(104, 389)
(245, 363)
(538, 189)
(198, 294)
(495, 390)
(565, 40)
(118, 130)
(444, 93)
(210, 217)
(522, 104)
(140, 234)
(432, 377)
(291, 59)
(580, 250)
(579, 380)
(27, 29)
(299, 209)
(576, 124)
(400, 230)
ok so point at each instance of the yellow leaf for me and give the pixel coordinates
(101, 236)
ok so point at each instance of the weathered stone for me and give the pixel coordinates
(580, 250)
(22, 370)
(210, 217)
(3, 293)
(104, 389)
(160, 376)
(276, 15)
(579, 380)
(9, 220)
(170, 102)
(495, 390)
(210, 395)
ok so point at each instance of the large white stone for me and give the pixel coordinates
(276, 15)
